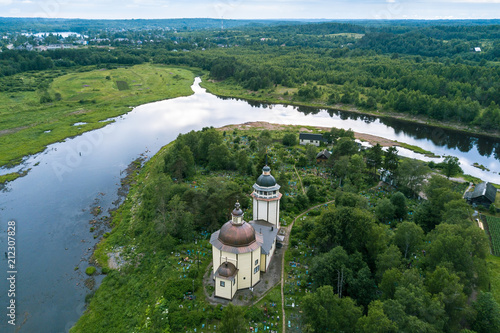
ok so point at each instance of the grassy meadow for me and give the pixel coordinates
(45, 105)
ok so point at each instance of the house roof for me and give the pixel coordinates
(483, 189)
(267, 231)
(310, 136)
(324, 154)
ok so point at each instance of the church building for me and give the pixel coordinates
(243, 250)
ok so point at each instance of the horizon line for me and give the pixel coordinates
(253, 19)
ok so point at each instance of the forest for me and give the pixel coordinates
(447, 72)
(384, 259)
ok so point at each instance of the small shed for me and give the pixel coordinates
(309, 138)
(323, 156)
(483, 194)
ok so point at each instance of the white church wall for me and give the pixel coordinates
(263, 265)
(273, 212)
(224, 288)
(215, 259)
(262, 210)
(220, 257)
(256, 268)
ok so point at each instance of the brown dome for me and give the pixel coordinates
(226, 270)
(237, 235)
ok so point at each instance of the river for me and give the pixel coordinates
(51, 206)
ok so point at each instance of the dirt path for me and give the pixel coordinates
(467, 190)
(300, 180)
(285, 247)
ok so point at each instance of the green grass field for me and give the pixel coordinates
(494, 229)
(494, 269)
(28, 123)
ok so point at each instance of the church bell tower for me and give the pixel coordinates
(266, 198)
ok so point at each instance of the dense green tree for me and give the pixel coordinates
(325, 312)
(374, 157)
(349, 199)
(356, 169)
(242, 161)
(391, 258)
(408, 237)
(232, 320)
(457, 212)
(398, 199)
(384, 210)
(179, 161)
(413, 308)
(209, 136)
(332, 268)
(345, 146)
(488, 314)
(302, 201)
(265, 139)
(462, 250)
(311, 152)
(391, 160)
(360, 283)
(451, 166)
(446, 286)
(290, 139)
(390, 280)
(218, 156)
(344, 226)
(341, 168)
(411, 175)
(427, 216)
(312, 194)
(379, 236)
(179, 220)
(376, 321)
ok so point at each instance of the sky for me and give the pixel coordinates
(253, 9)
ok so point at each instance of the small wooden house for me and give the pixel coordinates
(483, 194)
(323, 156)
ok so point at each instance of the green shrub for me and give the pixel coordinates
(90, 270)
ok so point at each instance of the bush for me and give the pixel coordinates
(45, 98)
(289, 139)
(90, 270)
(492, 209)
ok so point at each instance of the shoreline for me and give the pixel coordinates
(372, 139)
(470, 130)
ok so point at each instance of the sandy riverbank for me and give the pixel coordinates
(372, 139)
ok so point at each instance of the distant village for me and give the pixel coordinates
(46, 41)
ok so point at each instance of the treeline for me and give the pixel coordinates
(13, 62)
(458, 90)
(8, 24)
(430, 44)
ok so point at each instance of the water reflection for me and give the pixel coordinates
(440, 137)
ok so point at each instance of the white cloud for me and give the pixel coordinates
(5, 2)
